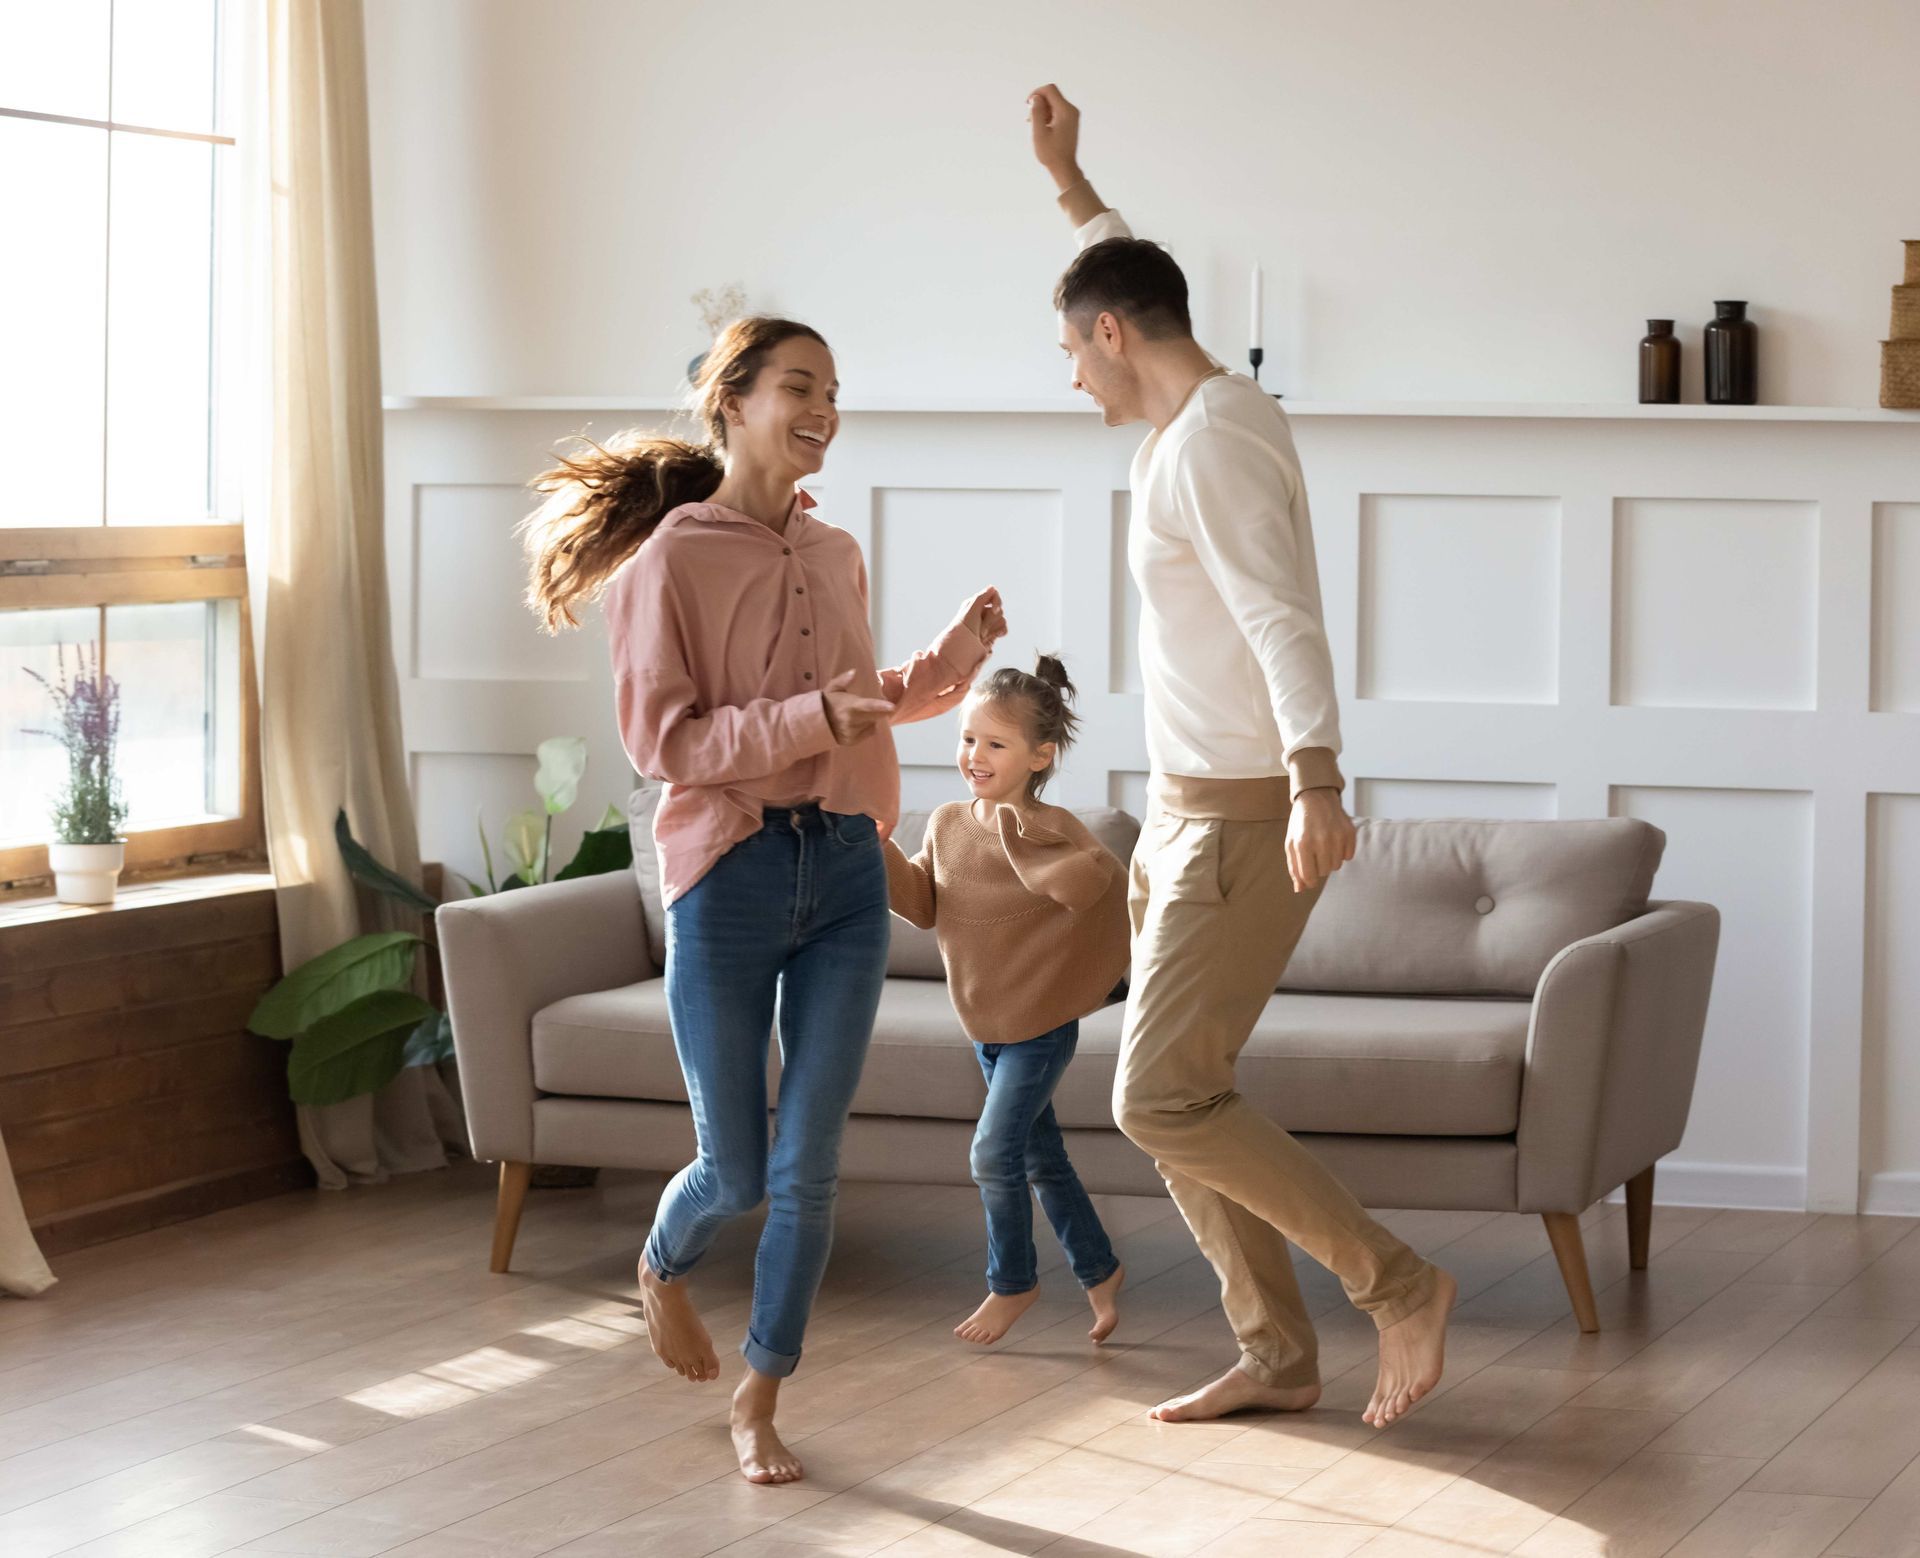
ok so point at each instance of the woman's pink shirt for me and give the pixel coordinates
(724, 634)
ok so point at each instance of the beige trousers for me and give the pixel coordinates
(1215, 919)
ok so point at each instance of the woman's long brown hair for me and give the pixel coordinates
(603, 500)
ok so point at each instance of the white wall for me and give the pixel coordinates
(1714, 624)
(1482, 199)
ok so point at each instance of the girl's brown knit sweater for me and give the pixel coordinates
(1030, 913)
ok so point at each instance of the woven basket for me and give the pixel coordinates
(1913, 262)
(1900, 375)
(1906, 313)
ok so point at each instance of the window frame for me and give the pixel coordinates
(96, 566)
(99, 565)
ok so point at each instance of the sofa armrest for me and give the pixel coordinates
(1611, 1055)
(507, 956)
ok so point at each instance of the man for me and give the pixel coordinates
(1245, 822)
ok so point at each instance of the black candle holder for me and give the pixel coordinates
(1257, 355)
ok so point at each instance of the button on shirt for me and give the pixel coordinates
(724, 634)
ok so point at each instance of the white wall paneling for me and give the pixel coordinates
(1714, 603)
(1766, 607)
(1896, 619)
(1459, 596)
(1451, 798)
(1890, 1070)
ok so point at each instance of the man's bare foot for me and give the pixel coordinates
(1234, 1391)
(674, 1329)
(1413, 1351)
(1105, 1299)
(763, 1456)
(995, 1317)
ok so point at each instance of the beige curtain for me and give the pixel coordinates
(23, 1272)
(330, 704)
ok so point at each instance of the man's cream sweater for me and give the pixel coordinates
(1233, 651)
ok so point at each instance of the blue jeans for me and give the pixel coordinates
(791, 925)
(1019, 1145)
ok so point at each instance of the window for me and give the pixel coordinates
(119, 502)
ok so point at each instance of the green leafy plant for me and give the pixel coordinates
(90, 809)
(350, 1015)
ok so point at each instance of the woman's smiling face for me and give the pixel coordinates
(787, 418)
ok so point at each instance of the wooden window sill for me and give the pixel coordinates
(44, 908)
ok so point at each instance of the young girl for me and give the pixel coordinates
(744, 677)
(1031, 914)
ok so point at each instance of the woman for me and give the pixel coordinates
(744, 677)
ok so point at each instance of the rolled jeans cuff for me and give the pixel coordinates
(778, 1365)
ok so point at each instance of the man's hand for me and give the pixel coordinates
(1056, 134)
(985, 618)
(1320, 838)
(852, 716)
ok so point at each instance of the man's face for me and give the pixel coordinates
(1101, 369)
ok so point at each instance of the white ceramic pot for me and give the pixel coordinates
(86, 873)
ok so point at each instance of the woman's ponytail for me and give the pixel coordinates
(602, 502)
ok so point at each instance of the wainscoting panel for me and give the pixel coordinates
(1451, 798)
(1896, 607)
(1715, 604)
(1751, 853)
(1890, 1069)
(1459, 598)
(470, 619)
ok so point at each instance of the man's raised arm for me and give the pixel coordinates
(1056, 146)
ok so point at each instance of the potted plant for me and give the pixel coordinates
(87, 851)
(351, 1017)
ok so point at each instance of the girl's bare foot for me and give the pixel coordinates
(1234, 1391)
(674, 1329)
(763, 1456)
(1105, 1299)
(1413, 1351)
(995, 1317)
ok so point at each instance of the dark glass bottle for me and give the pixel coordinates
(1728, 346)
(1659, 365)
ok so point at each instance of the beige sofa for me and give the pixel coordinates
(1487, 1016)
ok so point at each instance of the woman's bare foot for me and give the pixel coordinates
(1234, 1391)
(1413, 1352)
(995, 1317)
(763, 1456)
(679, 1339)
(1105, 1299)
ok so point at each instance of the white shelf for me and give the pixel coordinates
(1050, 405)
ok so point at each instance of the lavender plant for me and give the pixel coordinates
(87, 703)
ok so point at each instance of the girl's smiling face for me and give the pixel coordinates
(996, 756)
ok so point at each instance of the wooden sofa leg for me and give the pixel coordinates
(1563, 1228)
(506, 1217)
(1639, 1217)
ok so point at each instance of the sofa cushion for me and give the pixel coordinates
(642, 802)
(915, 954)
(1359, 1065)
(1468, 907)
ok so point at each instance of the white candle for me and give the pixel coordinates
(1255, 324)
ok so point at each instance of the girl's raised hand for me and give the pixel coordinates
(985, 617)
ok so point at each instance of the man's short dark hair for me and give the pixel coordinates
(1132, 278)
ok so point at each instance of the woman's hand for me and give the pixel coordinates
(985, 618)
(852, 716)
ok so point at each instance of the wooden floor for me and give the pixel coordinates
(338, 1374)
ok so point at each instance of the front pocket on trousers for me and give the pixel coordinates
(1185, 867)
